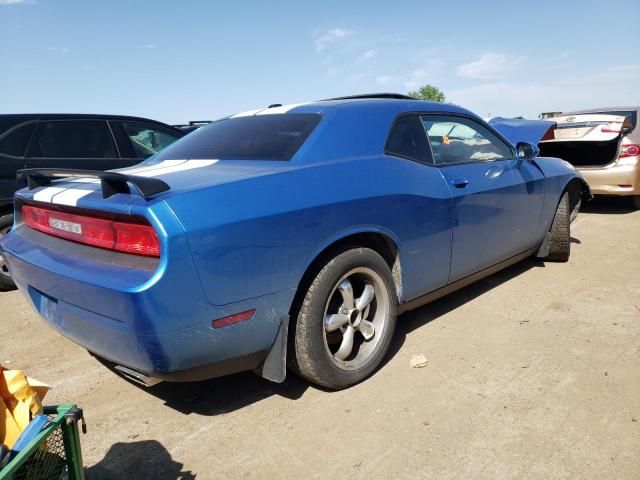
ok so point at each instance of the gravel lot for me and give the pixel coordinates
(532, 373)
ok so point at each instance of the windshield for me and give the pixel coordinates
(257, 137)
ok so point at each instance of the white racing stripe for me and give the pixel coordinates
(167, 168)
(81, 187)
(282, 109)
(46, 194)
(269, 111)
(248, 113)
(71, 195)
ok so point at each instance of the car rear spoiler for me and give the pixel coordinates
(111, 182)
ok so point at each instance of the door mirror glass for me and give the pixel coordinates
(527, 151)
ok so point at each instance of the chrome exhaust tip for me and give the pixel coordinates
(137, 377)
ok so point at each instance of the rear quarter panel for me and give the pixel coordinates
(259, 235)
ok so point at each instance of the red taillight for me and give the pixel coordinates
(629, 151)
(136, 238)
(235, 318)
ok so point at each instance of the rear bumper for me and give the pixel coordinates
(160, 327)
(614, 179)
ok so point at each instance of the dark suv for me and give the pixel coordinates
(90, 142)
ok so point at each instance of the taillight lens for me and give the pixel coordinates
(629, 151)
(128, 237)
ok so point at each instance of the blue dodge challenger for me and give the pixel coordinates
(289, 236)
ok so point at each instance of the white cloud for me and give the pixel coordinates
(330, 37)
(416, 79)
(410, 81)
(529, 99)
(149, 45)
(367, 56)
(385, 79)
(16, 2)
(57, 49)
(489, 66)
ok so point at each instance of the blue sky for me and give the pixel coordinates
(192, 60)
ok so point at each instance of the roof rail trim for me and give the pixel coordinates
(396, 96)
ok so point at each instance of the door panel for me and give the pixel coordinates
(497, 199)
(497, 212)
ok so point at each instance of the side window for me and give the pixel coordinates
(74, 139)
(407, 139)
(458, 140)
(15, 141)
(147, 139)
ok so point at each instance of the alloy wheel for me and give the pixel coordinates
(356, 317)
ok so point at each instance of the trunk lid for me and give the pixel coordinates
(584, 140)
(587, 127)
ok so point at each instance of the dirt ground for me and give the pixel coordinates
(532, 373)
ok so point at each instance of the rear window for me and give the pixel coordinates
(259, 137)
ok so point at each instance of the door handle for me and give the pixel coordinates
(460, 182)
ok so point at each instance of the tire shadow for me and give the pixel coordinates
(218, 396)
(608, 205)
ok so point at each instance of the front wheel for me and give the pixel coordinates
(560, 233)
(346, 321)
(6, 222)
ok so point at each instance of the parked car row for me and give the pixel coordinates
(284, 237)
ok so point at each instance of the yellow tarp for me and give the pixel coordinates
(20, 399)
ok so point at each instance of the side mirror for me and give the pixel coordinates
(527, 151)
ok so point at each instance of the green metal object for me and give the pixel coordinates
(55, 452)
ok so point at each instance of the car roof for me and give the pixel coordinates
(396, 104)
(25, 117)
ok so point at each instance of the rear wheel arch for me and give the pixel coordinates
(578, 190)
(381, 243)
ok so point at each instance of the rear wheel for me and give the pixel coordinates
(6, 222)
(560, 233)
(635, 201)
(346, 321)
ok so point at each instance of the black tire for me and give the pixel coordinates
(6, 284)
(560, 232)
(313, 358)
(635, 202)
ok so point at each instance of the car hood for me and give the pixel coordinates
(521, 130)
